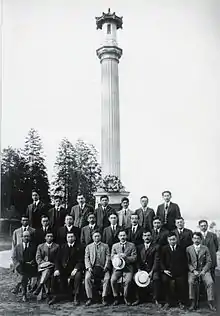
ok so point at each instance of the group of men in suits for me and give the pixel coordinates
(109, 247)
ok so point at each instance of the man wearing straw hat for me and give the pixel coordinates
(123, 257)
(148, 265)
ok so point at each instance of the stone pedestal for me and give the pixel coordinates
(114, 198)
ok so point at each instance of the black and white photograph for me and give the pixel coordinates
(110, 150)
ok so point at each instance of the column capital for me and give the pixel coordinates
(109, 52)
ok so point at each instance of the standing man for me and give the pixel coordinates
(42, 231)
(210, 240)
(134, 233)
(159, 233)
(110, 233)
(97, 264)
(87, 231)
(24, 261)
(18, 233)
(36, 210)
(67, 228)
(102, 212)
(184, 235)
(199, 263)
(168, 211)
(80, 212)
(124, 215)
(125, 251)
(174, 272)
(69, 267)
(57, 213)
(145, 214)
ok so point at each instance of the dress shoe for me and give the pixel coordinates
(104, 301)
(24, 298)
(116, 302)
(127, 302)
(135, 303)
(88, 302)
(166, 306)
(76, 301)
(211, 306)
(52, 301)
(158, 305)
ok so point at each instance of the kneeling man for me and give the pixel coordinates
(126, 252)
(199, 263)
(24, 261)
(97, 264)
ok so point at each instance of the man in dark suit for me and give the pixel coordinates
(57, 213)
(210, 240)
(184, 235)
(110, 233)
(80, 212)
(159, 233)
(87, 231)
(174, 272)
(126, 251)
(36, 210)
(102, 212)
(168, 211)
(46, 257)
(145, 214)
(68, 227)
(68, 267)
(41, 232)
(149, 261)
(23, 258)
(134, 233)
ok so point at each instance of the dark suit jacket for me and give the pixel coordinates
(161, 238)
(62, 232)
(86, 235)
(35, 214)
(149, 259)
(109, 237)
(146, 219)
(173, 213)
(137, 237)
(69, 259)
(80, 216)
(57, 218)
(40, 235)
(204, 259)
(174, 261)
(43, 253)
(102, 216)
(184, 239)
(211, 241)
(18, 254)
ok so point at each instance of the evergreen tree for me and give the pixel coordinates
(37, 174)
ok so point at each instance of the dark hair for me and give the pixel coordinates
(144, 197)
(112, 213)
(203, 221)
(57, 197)
(197, 234)
(146, 231)
(157, 218)
(70, 233)
(79, 194)
(44, 216)
(96, 231)
(49, 232)
(24, 216)
(135, 214)
(35, 191)
(90, 213)
(104, 197)
(124, 199)
(166, 191)
(69, 215)
(171, 234)
(122, 230)
(178, 218)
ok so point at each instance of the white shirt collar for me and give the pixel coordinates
(197, 247)
(82, 205)
(25, 244)
(204, 233)
(71, 245)
(69, 227)
(27, 227)
(114, 226)
(167, 203)
(91, 225)
(123, 243)
(49, 245)
(37, 202)
(171, 247)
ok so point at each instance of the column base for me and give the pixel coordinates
(114, 198)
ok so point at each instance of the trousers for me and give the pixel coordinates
(127, 279)
(208, 282)
(89, 281)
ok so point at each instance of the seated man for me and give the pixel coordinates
(46, 257)
(148, 260)
(87, 231)
(97, 261)
(69, 266)
(174, 272)
(110, 233)
(126, 251)
(68, 227)
(24, 261)
(199, 263)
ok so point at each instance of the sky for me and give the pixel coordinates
(169, 77)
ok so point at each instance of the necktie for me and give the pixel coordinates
(156, 232)
(146, 246)
(123, 248)
(25, 229)
(125, 212)
(173, 248)
(166, 213)
(133, 230)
